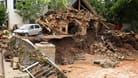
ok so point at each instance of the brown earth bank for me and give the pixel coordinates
(111, 47)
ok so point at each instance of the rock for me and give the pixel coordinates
(105, 63)
(108, 63)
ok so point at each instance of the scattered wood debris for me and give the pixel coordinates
(73, 21)
(87, 32)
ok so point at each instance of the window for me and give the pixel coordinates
(36, 26)
(31, 27)
(6, 3)
(14, 4)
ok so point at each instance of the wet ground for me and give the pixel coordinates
(125, 69)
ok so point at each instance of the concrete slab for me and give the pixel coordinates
(10, 73)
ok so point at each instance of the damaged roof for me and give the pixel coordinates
(83, 4)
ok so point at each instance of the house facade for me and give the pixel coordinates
(13, 17)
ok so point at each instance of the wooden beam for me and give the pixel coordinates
(79, 5)
(90, 8)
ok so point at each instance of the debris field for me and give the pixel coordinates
(89, 46)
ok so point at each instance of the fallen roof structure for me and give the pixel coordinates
(84, 4)
(75, 21)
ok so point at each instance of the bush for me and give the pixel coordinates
(2, 14)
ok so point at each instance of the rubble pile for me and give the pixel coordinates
(112, 51)
(3, 48)
(73, 21)
(107, 56)
(82, 24)
(87, 28)
(90, 34)
(4, 38)
(114, 46)
(119, 38)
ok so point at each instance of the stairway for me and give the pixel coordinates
(44, 70)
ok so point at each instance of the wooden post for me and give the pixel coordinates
(79, 5)
(1, 66)
(96, 26)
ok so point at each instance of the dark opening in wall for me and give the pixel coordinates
(73, 28)
(64, 29)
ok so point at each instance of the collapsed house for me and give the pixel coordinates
(90, 31)
(91, 34)
(75, 20)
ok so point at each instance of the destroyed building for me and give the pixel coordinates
(75, 20)
(77, 31)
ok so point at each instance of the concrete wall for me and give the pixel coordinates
(47, 50)
(14, 18)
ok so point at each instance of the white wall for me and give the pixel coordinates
(13, 17)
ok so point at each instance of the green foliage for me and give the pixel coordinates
(2, 14)
(103, 7)
(97, 5)
(123, 11)
(127, 11)
(30, 9)
(58, 4)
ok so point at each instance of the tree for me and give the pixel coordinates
(58, 4)
(122, 11)
(30, 9)
(126, 11)
(2, 14)
(103, 7)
